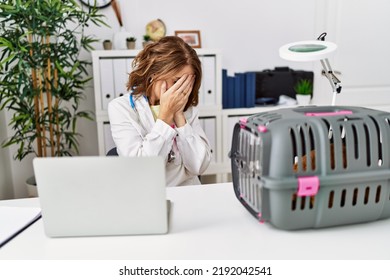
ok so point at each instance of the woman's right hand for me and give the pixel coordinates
(175, 98)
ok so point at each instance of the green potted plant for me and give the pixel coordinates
(130, 43)
(147, 40)
(304, 90)
(42, 76)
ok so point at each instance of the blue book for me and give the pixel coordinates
(240, 94)
(231, 92)
(224, 89)
(250, 92)
(237, 91)
(243, 89)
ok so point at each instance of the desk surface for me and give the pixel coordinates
(207, 222)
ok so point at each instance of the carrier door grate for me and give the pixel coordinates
(355, 143)
(250, 169)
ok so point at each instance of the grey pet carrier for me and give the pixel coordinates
(311, 167)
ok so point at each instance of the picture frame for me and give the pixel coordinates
(191, 37)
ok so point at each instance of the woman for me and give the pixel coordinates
(159, 116)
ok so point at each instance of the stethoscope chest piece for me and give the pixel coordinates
(171, 156)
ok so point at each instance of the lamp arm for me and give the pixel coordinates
(332, 78)
(330, 75)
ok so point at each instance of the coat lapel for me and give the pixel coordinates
(145, 115)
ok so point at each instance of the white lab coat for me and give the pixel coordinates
(136, 133)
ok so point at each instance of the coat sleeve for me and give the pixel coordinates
(193, 144)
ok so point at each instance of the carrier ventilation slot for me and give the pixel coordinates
(355, 142)
(303, 148)
(331, 144)
(343, 195)
(294, 150)
(312, 150)
(368, 144)
(379, 141)
(343, 145)
(299, 202)
(356, 195)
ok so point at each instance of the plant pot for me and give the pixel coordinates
(303, 99)
(144, 44)
(31, 185)
(107, 45)
(130, 45)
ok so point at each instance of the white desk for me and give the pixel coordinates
(207, 222)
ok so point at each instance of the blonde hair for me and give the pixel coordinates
(160, 60)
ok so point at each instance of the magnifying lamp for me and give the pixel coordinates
(314, 50)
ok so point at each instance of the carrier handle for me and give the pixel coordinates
(325, 114)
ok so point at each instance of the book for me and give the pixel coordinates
(224, 89)
(250, 89)
(231, 92)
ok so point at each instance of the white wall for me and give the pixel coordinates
(248, 33)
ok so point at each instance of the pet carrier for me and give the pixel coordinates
(311, 167)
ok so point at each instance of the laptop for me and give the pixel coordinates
(102, 196)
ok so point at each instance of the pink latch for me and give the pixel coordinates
(308, 186)
(243, 122)
(262, 128)
(324, 114)
(261, 221)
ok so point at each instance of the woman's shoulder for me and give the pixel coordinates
(120, 101)
(119, 104)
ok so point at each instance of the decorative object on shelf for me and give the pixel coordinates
(119, 39)
(117, 12)
(107, 44)
(147, 40)
(97, 3)
(120, 36)
(42, 75)
(130, 43)
(304, 90)
(156, 29)
(191, 37)
(314, 50)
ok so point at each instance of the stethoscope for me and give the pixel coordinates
(132, 104)
(171, 155)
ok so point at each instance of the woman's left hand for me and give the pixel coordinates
(179, 117)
